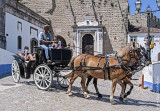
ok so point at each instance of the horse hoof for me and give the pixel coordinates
(125, 100)
(87, 96)
(70, 94)
(99, 95)
(121, 99)
(113, 102)
(125, 95)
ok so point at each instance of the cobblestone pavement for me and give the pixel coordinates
(26, 97)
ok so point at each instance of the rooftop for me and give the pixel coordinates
(134, 29)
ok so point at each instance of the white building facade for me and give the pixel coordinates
(140, 38)
(20, 33)
(21, 26)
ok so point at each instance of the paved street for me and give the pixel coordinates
(26, 97)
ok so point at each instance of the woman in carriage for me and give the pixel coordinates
(57, 43)
(25, 55)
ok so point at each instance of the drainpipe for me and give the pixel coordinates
(103, 42)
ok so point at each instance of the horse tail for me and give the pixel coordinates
(71, 63)
(69, 75)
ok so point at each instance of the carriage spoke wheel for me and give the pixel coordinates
(15, 71)
(43, 77)
(62, 81)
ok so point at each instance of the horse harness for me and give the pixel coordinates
(106, 64)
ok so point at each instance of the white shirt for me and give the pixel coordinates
(59, 45)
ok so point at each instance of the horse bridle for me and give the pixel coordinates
(142, 55)
(133, 67)
(133, 56)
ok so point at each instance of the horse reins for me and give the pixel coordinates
(106, 65)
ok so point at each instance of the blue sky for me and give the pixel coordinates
(145, 3)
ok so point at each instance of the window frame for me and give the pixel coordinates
(19, 42)
(134, 39)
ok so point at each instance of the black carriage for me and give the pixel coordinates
(43, 72)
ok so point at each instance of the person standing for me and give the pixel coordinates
(46, 41)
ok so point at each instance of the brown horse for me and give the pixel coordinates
(117, 73)
(126, 80)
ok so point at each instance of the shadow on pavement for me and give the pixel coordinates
(77, 92)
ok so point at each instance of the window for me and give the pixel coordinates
(159, 56)
(19, 42)
(33, 29)
(1, 10)
(133, 39)
(19, 26)
(34, 42)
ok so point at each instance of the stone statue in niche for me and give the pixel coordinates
(50, 11)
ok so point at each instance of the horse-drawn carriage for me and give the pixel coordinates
(118, 68)
(42, 71)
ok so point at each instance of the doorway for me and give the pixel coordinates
(33, 43)
(88, 44)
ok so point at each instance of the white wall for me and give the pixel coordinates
(152, 76)
(5, 57)
(12, 31)
(140, 41)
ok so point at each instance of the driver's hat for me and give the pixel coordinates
(46, 26)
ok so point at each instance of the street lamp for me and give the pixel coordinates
(138, 5)
(158, 3)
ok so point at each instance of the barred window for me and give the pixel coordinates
(19, 42)
(159, 56)
(34, 42)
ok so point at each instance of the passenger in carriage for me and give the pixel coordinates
(46, 41)
(57, 43)
(26, 56)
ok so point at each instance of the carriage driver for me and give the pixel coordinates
(46, 41)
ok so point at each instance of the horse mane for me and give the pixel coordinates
(123, 51)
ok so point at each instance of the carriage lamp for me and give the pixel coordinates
(138, 5)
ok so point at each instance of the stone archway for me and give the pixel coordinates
(63, 41)
(88, 44)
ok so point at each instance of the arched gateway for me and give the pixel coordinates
(88, 38)
(88, 44)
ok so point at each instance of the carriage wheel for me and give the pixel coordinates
(15, 71)
(63, 81)
(43, 77)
